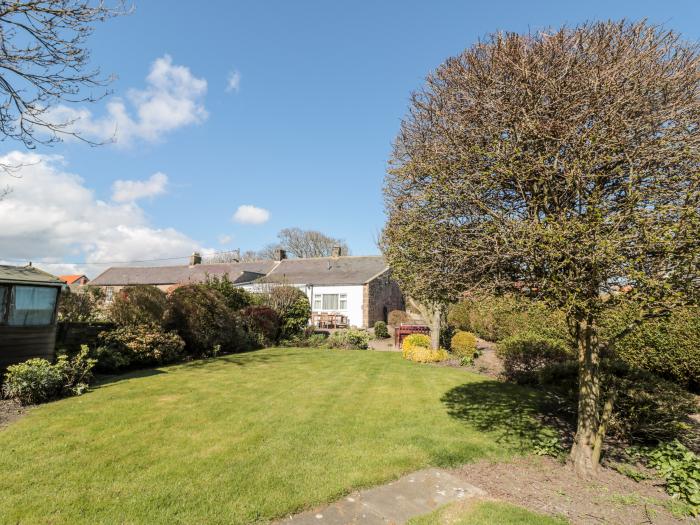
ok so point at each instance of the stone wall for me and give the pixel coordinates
(380, 296)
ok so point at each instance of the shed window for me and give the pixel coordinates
(32, 306)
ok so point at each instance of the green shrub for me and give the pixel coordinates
(416, 347)
(380, 330)
(647, 408)
(262, 324)
(397, 317)
(38, 381)
(307, 339)
(496, 317)
(137, 305)
(81, 306)
(669, 347)
(33, 381)
(680, 468)
(138, 346)
(527, 353)
(350, 339)
(463, 344)
(236, 298)
(200, 316)
(293, 307)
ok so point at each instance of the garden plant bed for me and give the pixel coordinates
(545, 485)
(10, 410)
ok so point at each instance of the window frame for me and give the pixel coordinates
(5, 303)
(341, 301)
(12, 298)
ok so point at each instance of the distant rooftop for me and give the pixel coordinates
(197, 273)
(28, 275)
(344, 270)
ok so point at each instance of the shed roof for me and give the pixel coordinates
(237, 273)
(347, 270)
(28, 275)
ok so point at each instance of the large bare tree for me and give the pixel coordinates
(43, 61)
(309, 243)
(562, 164)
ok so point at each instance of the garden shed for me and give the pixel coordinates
(28, 301)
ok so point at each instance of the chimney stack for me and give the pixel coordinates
(280, 254)
(336, 252)
(195, 258)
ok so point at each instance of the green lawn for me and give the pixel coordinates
(486, 513)
(249, 437)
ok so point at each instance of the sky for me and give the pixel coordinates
(230, 120)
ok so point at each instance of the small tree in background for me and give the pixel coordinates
(293, 307)
(81, 306)
(561, 165)
(236, 298)
(138, 305)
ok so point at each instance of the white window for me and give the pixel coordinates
(331, 301)
(109, 294)
(32, 305)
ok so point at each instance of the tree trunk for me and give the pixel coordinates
(436, 324)
(583, 458)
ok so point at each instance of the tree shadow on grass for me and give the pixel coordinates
(108, 379)
(516, 415)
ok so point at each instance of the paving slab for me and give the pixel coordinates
(395, 503)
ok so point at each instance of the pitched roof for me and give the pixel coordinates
(237, 272)
(328, 270)
(28, 275)
(70, 279)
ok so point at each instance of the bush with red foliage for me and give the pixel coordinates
(262, 324)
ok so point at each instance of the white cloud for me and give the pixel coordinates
(233, 83)
(132, 190)
(171, 100)
(248, 214)
(225, 239)
(50, 216)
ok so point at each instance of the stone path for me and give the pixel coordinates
(413, 495)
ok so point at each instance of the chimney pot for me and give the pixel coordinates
(336, 251)
(280, 254)
(195, 258)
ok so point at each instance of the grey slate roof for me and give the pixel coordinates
(27, 275)
(237, 272)
(328, 270)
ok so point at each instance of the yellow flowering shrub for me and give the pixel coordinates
(463, 344)
(416, 347)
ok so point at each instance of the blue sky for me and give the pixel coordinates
(305, 135)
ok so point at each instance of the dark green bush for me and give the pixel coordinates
(669, 347)
(293, 307)
(38, 381)
(350, 339)
(138, 346)
(496, 317)
(137, 305)
(380, 330)
(647, 408)
(201, 317)
(236, 298)
(262, 324)
(81, 306)
(526, 354)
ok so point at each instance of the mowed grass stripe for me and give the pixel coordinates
(238, 439)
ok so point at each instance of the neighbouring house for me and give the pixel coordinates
(28, 302)
(167, 278)
(74, 280)
(359, 288)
